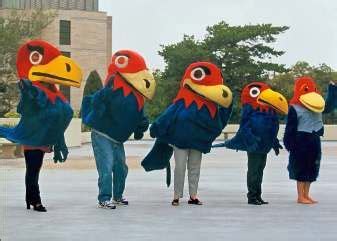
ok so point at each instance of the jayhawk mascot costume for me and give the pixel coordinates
(257, 133)
(303, 131)
(114, 113)
(45, 112)
(188, 127)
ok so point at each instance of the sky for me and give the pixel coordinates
(143, 25)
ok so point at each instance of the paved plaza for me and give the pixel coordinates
(69, 192)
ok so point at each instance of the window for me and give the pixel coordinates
(63, 4)
(91, 5)
(65, 32)
(66, 89)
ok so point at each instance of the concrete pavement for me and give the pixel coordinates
(69, 192)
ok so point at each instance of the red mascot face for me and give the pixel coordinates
(43, 64)
(202, 84)
(130, 69)
(260, 96)
(307, 95)
(39, 61)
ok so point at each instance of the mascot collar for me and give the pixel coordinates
(51, 94)
(189, 97)
(119, 83)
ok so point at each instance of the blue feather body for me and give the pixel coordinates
(189, 128)
(257, 132)
(42, 122)
(110, 112)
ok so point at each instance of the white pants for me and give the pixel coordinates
(192, 159)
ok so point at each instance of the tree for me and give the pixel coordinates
(322, 74)
(93, 83)
(301, 68)
(164, 95)
(15, 28)
(243, 53)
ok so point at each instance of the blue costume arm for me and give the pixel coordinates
(244, 139)
(94, 106)
(60, 150)
(141, 128)
(161, 125)
(31, 98)
(331, 99)
(291, 129)
(60, 147)
(245, 123)
(277, 146)
(98, 103)
(99, 98)
(225, 114)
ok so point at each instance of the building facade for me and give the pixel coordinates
(79, 30)
(87, 5)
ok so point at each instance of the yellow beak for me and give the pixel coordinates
(61, 70)
(143, 81)
(313, 102)
(219, 94)
(275, 100)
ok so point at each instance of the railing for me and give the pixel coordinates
(74, 136)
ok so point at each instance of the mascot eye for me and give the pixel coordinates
(254, 92)
(198, 74)
(121, 61)
(306, 88)
(35, 58)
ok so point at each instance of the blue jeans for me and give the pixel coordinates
(110, 159)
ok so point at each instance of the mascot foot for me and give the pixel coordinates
(303, 200)
(175, 202)
(312, 200)
(254, 202)
(195, 201)
(262, 201)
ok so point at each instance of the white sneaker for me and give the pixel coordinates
(106, 205)
(121, 201)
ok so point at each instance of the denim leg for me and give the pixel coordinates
(103, 151)
(120, 171)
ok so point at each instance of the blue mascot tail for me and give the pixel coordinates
(159, 158)
(5, 132)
